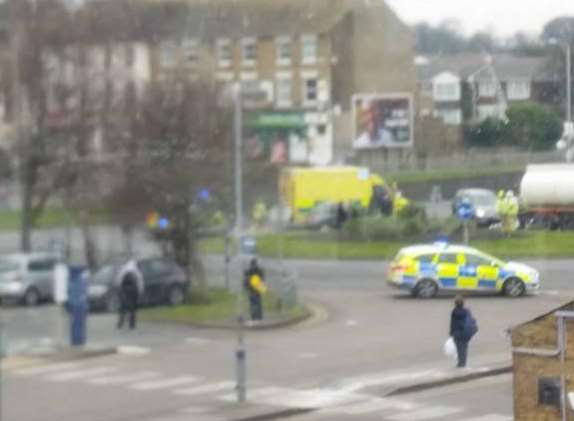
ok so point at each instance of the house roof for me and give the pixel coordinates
(506, 67)
(569, 306)
(211, 19)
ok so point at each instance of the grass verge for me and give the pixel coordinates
(424, 176)
(50, 218)
(216, 306)
(310, 245)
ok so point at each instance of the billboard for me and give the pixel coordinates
(383, 120)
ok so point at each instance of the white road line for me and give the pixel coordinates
(133, 350)
(80, 374)
(375, 404)
(396, 378)
(208, 388)
(196, 341)
(45, 369)
(492, 417)
(424, 414)
(123, 378)
(165, 383)
(299, 398)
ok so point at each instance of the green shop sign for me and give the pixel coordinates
(275, 120)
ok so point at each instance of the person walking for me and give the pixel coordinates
(129, 296)
(254, 285)
(462, 329)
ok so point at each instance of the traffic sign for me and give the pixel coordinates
(465, 211)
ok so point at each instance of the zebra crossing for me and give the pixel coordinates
(347, 399)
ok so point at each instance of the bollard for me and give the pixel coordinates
(77, 305)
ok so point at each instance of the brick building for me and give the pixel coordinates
(299, 63)
(543, 363)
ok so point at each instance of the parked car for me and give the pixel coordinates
(484, 203)
(27, 277)
(323, 215)
(164, 282)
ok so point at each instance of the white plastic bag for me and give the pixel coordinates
(449, 348)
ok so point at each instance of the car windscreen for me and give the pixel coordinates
(7, 265)
(482, 199)
(105, 275)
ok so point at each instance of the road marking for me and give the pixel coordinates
(196, 341)
(492, 417)
(208, 388)
(133, 350)
(350, 323)
(308, 355)
(121, 379)
(299, 398)
(45, 369)
(80, 374)
(357, 383)
(375, 404)
(165, 383)
(424, 414)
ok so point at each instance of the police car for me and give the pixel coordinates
(425, 270)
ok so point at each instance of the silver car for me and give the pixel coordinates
(28, 278)
(484, 203)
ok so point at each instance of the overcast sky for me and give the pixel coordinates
(505, 16)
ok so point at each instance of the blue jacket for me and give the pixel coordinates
(457, 318)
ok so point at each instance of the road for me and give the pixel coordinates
(341, 364)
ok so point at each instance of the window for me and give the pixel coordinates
(518, 90)
(425, 258)
(41, 265)
(321, 130)
(283, 50)
(447, 258)
(129, 55)
(309, 49)
(487, 89)
(168, 51)
(224, 52)
(284, 90)
(474, 260)
(450, 117)
(311, 93)
(249, 51)
(485, 111)
(447, 92)
(190, 51)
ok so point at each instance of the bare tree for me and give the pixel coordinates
(178, 150)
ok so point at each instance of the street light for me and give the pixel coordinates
(568, 135)
(240, 352)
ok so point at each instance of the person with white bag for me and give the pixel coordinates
(462, 328)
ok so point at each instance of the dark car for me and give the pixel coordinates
(164, 282)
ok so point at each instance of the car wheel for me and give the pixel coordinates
(31, 298)
(112, 303)
(514, 287)
(176, 296)
(425, 288)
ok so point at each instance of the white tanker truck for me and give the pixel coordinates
(547, 196)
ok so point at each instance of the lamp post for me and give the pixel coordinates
(240, 352)
(568, 135)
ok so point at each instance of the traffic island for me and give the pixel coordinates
(218, 309)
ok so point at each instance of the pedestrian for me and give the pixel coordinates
(462, 329)
(341, 216)
(129, 297)
(254, 285)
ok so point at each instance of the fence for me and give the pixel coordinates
(460, 160)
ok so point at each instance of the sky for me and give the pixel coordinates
(505, 17)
